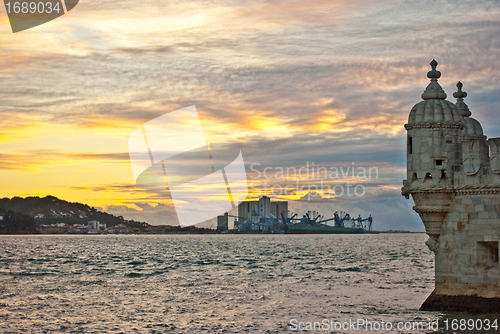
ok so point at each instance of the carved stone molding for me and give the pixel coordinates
(468, 190)
(434, 125)
(420, 190)
(479, 190)
(431, 209)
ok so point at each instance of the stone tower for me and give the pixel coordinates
(453, 176)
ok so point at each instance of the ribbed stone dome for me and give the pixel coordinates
(460, 95)
(435, 111)
(472, 127)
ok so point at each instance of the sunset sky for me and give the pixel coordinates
(291, 82)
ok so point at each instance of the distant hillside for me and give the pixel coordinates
(50, 209)
(17, 223)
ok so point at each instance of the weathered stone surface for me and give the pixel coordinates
(456, 189)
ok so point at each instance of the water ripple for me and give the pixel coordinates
(208, 283)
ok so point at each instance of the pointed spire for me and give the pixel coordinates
(459, 95)
(434, 90)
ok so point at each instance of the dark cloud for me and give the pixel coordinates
(159, 214)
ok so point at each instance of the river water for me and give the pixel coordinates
(213, 283)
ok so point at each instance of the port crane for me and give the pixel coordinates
(306, 219)
(367, 227)
(339, 219)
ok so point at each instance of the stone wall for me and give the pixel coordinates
(466, 263)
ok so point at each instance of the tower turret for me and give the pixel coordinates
(433, 149)
(456, 189)
(475, 153)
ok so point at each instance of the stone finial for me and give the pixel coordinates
(434, 90)
(434, 74)
(460, 95)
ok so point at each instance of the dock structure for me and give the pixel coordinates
(264, 216)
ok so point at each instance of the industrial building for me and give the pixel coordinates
(254, 210)
(263, 207)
